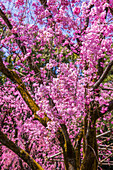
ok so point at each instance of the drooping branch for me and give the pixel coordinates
(103, 76)
(20, 152)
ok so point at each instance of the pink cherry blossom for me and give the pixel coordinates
(76, 10)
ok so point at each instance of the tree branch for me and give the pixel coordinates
(12, 75)
(111, 9)
(22, 47)
(3, 16)
(105, 158)
(105, 133)
(3, 119)
(20, 152)
(44, 3)
(87, 19)
(103, 76)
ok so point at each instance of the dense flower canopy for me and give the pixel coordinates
(56, 81)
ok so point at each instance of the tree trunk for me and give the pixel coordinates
(90, 161)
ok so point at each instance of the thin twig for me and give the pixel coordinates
(105, 133)
(94, 152)
(106, 158)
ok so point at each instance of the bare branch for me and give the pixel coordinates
(51, 157)
(105, 133)
(106, 158)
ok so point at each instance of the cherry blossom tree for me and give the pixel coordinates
(55, 95)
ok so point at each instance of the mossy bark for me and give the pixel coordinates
(90, 161)
(20, 152)
(67, 147)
